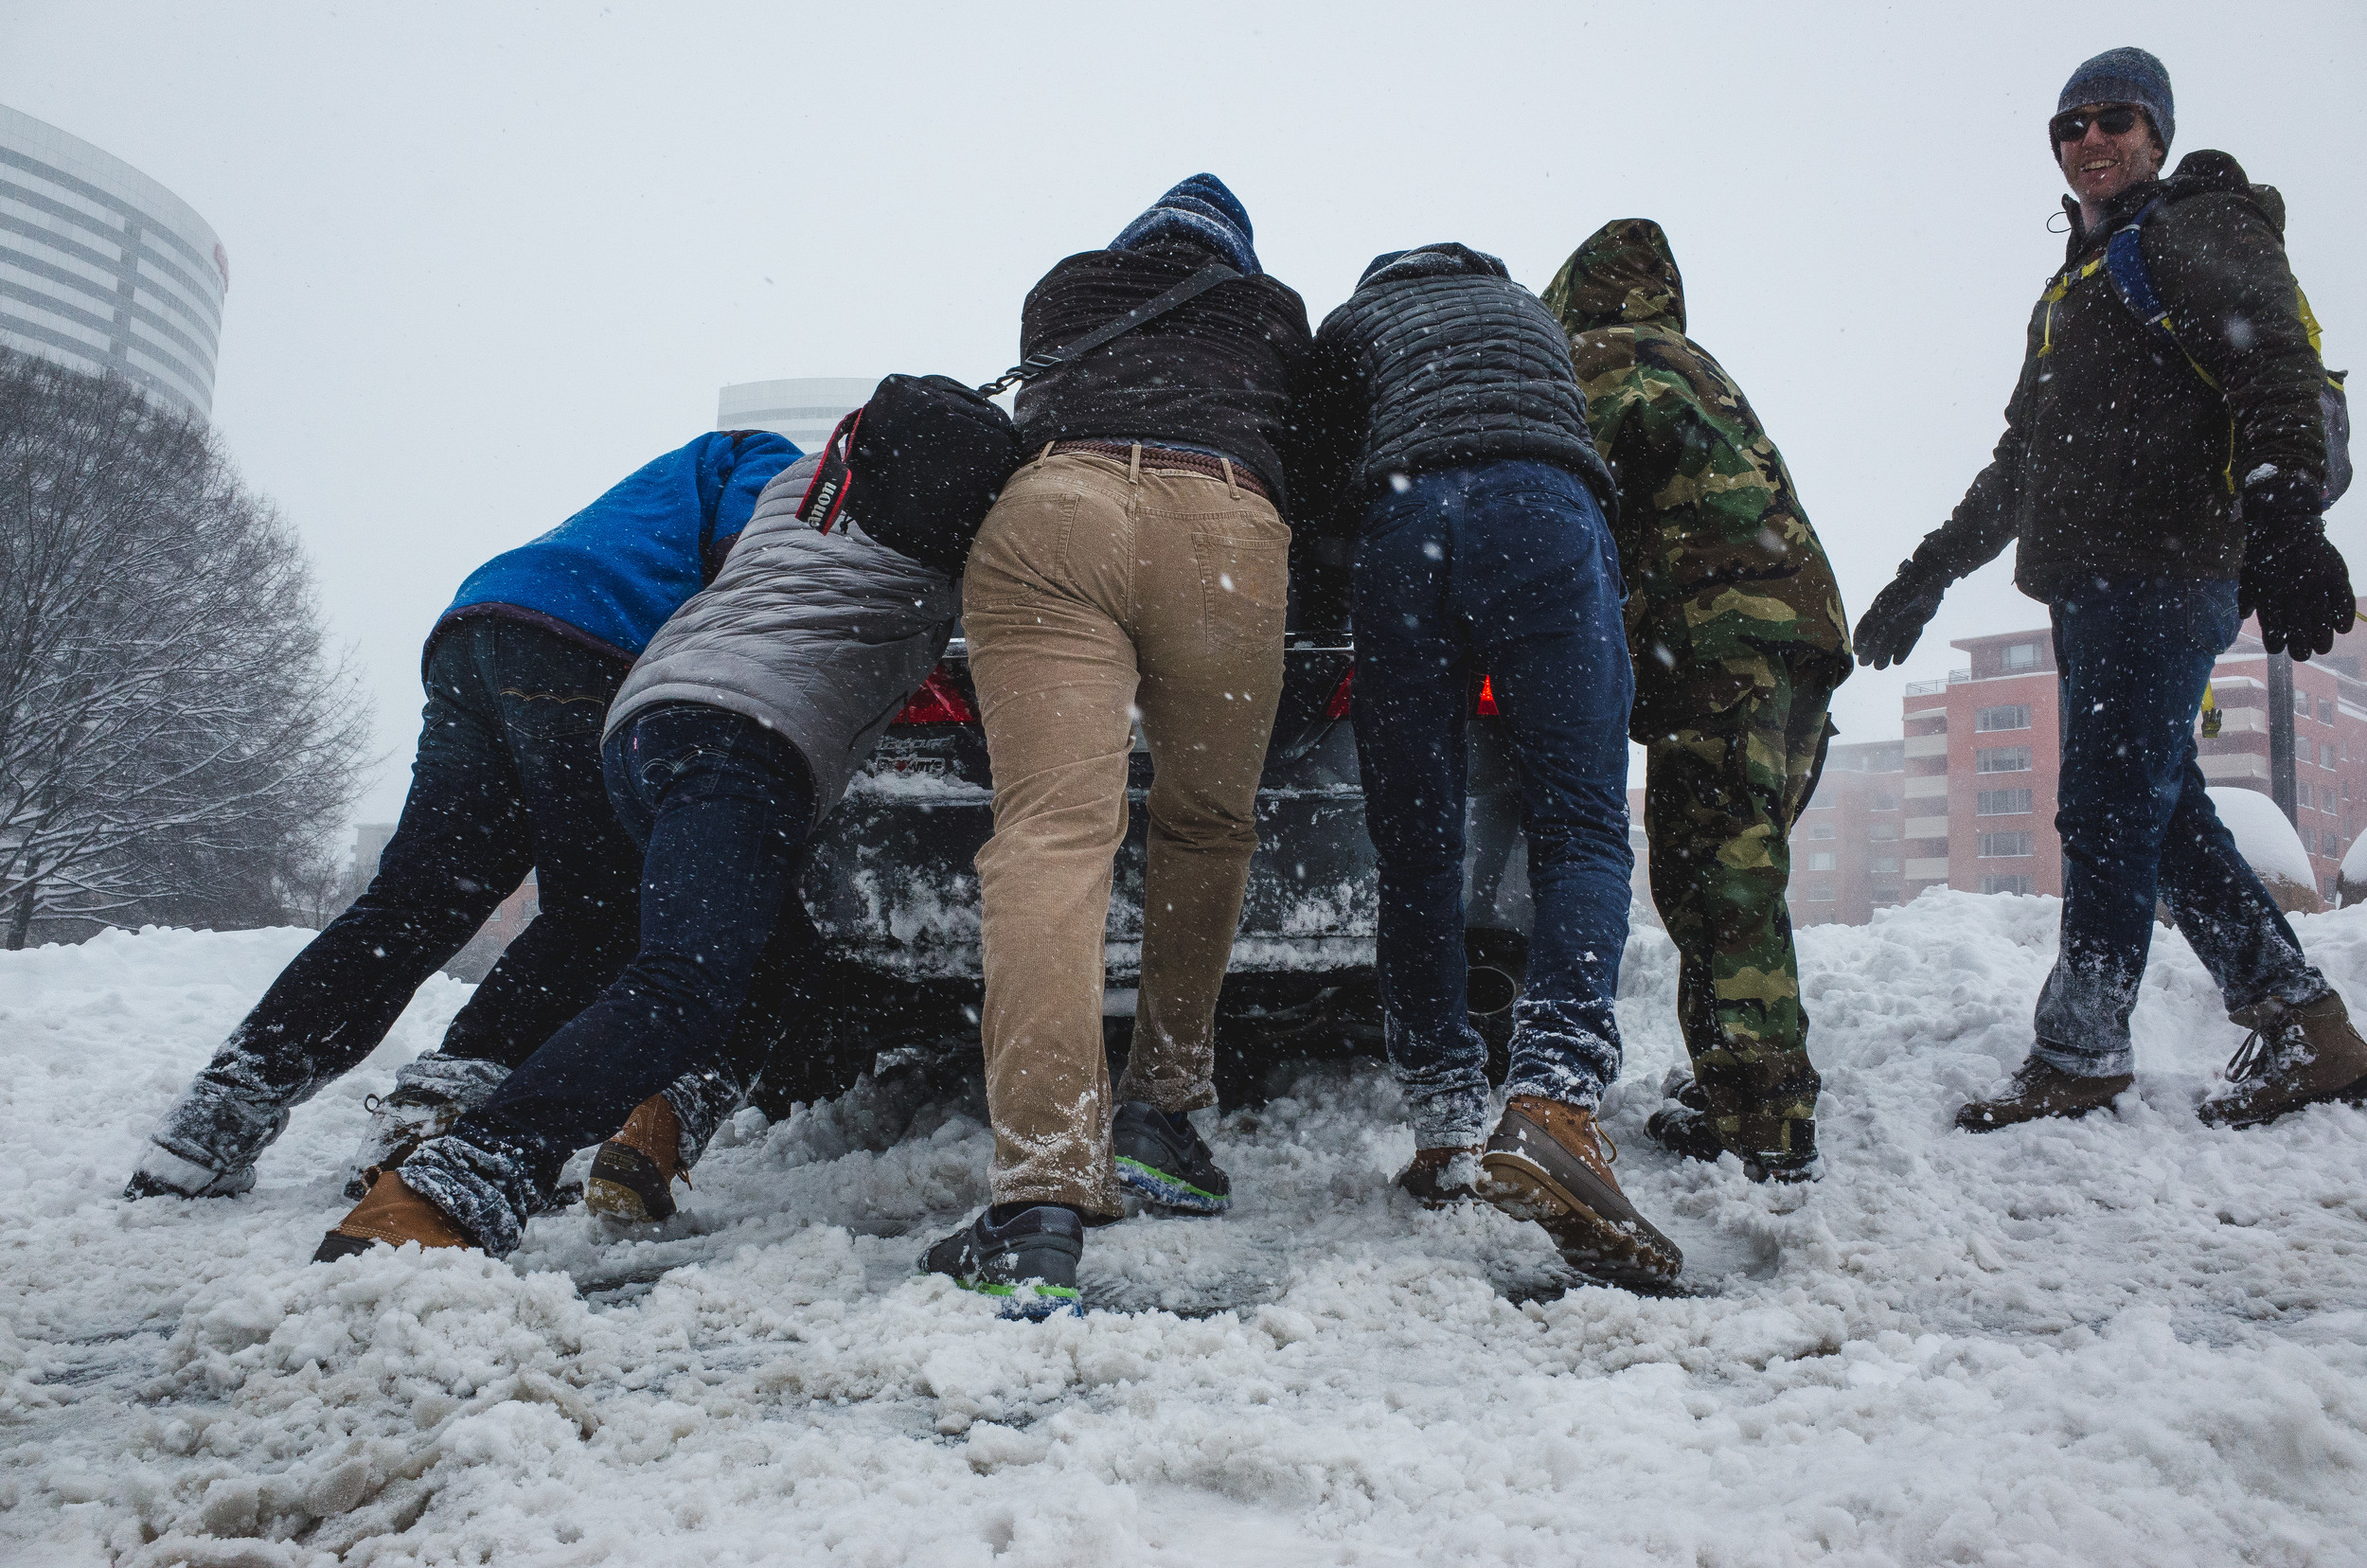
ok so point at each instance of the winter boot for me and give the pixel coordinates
(205, 1146)
(2294, 1057)
(1160, 1155)
(1684, 1126)
(1440, 1177)
(1549, 1163)
(1028, 1262)
(2037, 1090)
(431, 1093)
(393, 1214)
(632, 1176)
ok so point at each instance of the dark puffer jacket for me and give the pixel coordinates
(1220, 372)
(2118, 457)
(1437, 359)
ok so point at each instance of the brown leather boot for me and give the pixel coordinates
(2294, 1057)
(1438, 1177)
(1551, 1163)
(632, 1176)
(393, 1214)
(2037, 1090)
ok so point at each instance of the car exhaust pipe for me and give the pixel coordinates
(1490, 990)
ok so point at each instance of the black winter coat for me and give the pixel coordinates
(2118, 457)
(1439, 360)
(1222, 372)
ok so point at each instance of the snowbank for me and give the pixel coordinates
(2133, 1340)
(2270, 844)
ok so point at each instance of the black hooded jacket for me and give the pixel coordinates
(1437, 361)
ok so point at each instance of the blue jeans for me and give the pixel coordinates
(2135, 655)
(723, 808)
(1505, 569)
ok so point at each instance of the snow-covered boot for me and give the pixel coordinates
(1549, 1163)
(2294, 1057)
(431, 1093)
(393, 1214)
(1437, 1177)
(2036, 1091)
(1162, 1157)
(1028, 1262)
(206, 1144)
(1684, 1126)
(632, 1176)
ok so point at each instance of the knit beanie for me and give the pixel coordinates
(1203, 208)
(2123, 76)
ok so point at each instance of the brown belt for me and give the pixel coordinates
(1170, 458)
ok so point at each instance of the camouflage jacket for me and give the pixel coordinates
(1724, 575)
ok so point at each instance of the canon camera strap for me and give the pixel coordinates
(1052, 358)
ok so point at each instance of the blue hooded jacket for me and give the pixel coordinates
(610, 575)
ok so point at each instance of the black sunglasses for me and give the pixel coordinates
(2117, 121)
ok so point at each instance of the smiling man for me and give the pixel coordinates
(2164, 469)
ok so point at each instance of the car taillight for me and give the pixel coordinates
(1344, 698)
(938, 701)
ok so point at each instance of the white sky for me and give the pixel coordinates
(486, 259)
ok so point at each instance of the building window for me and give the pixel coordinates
(1822, 830)
(2325, 710)
(1823, 859)
(1885, 894)
(1993, 759)
(2005, 846)
(2000, 802)
(2326, 756)
(2012, 716)
(2021, 656)
(1881, 803)
(1820, 892)
(1882, 832)
(2007, 885)
(2328, 845)
(1886, 865)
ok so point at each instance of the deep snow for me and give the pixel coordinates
(2134, 1339)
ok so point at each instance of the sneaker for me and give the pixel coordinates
(431, 1094)
(1438, 1178)
(393, 1214)
(2038, 1091)
(632, 1176)
(2308, 1055)
(1549, 1163)
(1161, 1157)
(1028, 1262)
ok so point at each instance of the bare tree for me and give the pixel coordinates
(173, 743)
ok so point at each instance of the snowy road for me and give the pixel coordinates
(2129, 1341)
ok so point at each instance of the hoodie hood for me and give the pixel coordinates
(1198, 208)
(1623, 276)
(1437, 261)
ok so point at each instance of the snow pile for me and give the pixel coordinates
(2266, 840)
(2133, 1340)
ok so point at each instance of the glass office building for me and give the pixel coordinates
(804, 410)
(104, 270)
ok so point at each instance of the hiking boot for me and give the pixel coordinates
(393, 1214)
(1439, 1177)
(1160, 1157)
(1549, 1163)
(1028, 1262)
(1686, 1127)
(207, 1141)
(161, 1173)
(632, 1176)
(431, 1093)
(2308, 1055)
(2037, 1090)
(1681, 1129)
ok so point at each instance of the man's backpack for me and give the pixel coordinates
(2125, 264)
(931, 455)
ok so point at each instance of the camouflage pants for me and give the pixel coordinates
(1719, 800)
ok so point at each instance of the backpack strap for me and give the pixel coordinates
(1052, 358)
(2125, 264)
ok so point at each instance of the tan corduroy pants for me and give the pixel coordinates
(1099, 590)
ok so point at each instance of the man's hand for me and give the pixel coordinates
(2296, 579)
(1887, 633)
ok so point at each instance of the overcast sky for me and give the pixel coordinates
(486, 259)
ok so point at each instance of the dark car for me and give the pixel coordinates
(893, 888)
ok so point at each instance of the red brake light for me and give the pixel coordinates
(938, 701)
(1342, 696)
(1486, 706)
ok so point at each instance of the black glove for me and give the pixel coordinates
(2294, 577)
(1887, 633)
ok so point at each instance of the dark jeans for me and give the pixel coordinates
(2135, 655)
(507, 779)
(725, 807)
(1505, 569)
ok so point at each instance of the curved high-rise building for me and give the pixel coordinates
(104, 270)
(804, 410)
